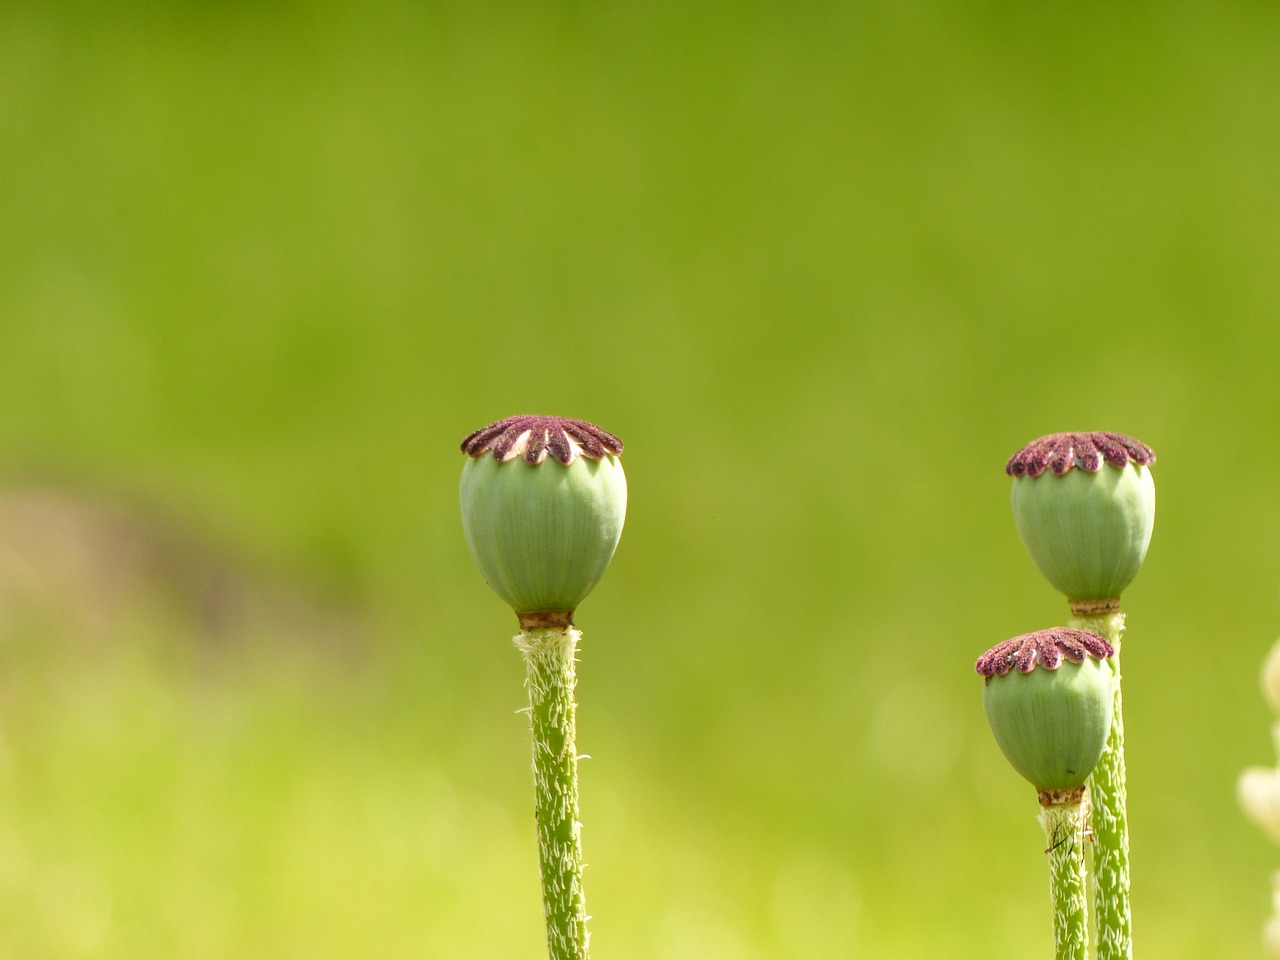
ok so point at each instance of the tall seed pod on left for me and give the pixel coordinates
(543, 504)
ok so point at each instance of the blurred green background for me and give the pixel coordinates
(824, 267)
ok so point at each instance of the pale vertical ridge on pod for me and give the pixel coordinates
(549, 657)
(1064, 834)
(1110, 820)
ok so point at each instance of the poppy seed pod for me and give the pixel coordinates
(543, 512)
(1085, 504)
(1048, 699)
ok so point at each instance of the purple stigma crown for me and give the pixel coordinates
(1044, 648)
(1060, 452)
(534, 437)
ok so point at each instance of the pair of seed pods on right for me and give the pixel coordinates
(1085, 505)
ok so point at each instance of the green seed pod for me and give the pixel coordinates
(1048, 698)
(543, 513)
(1085, 504)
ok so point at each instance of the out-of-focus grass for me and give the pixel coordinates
(822, 269)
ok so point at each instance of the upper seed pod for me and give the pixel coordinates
(1048, 698)
(543, 513)
(1085, 504)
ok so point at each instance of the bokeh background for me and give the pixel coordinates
(824, 267)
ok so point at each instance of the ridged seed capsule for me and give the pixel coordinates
(1048, 699)
(1085, 504)
(543, 504)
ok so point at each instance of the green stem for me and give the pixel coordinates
(1110, 821)
(1064, 831)
(549, 661)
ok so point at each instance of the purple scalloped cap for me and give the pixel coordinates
(1060, 452)
(1044, 648)
(534, 437)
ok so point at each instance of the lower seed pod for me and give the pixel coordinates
(543, 513)
(1048, 699)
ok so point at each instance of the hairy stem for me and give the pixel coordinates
(549, 662)
(1110, 821)
(1064, 832)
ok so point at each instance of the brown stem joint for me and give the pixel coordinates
(1060, 797)
(1095, 608)
(546, 620)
